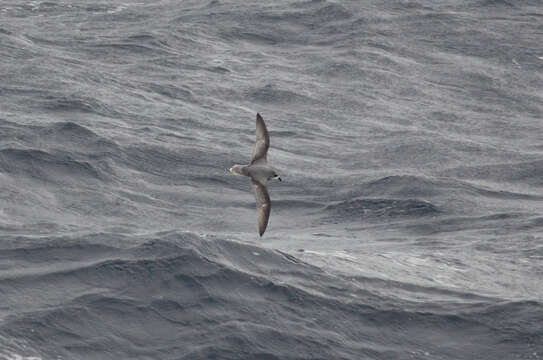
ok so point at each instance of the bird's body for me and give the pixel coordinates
(260, 173)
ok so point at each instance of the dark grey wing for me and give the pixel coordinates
(263, 205)
(262, 141)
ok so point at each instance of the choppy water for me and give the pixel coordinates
(408, 134)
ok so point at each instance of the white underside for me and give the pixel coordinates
(261, 173)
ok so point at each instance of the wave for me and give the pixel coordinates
(70, 152)
(271, 94)
(468, 223)
(411, 186)
(196, 296)
(359, 209)
(495, 3)
(73, 137)
(527, 172)
(45, 166)
(310, 14)
(301, 23)
(440, 204)
(73, 103)
(168, 162)
(150, 97)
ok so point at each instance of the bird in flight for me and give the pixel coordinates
(260, 173)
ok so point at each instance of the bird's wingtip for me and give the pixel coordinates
(258, 116)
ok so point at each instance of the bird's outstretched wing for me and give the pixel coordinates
(263, 205)
(262, 141)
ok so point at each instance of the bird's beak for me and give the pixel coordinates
(278, 178)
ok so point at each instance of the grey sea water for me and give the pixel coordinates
(408, 134)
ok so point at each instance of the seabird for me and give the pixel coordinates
(260, 173)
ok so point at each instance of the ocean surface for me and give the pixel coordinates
(409, 136)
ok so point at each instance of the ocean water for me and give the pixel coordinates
(409, 136)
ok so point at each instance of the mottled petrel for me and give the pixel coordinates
(260, 173)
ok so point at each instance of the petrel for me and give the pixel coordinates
(260, 173)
